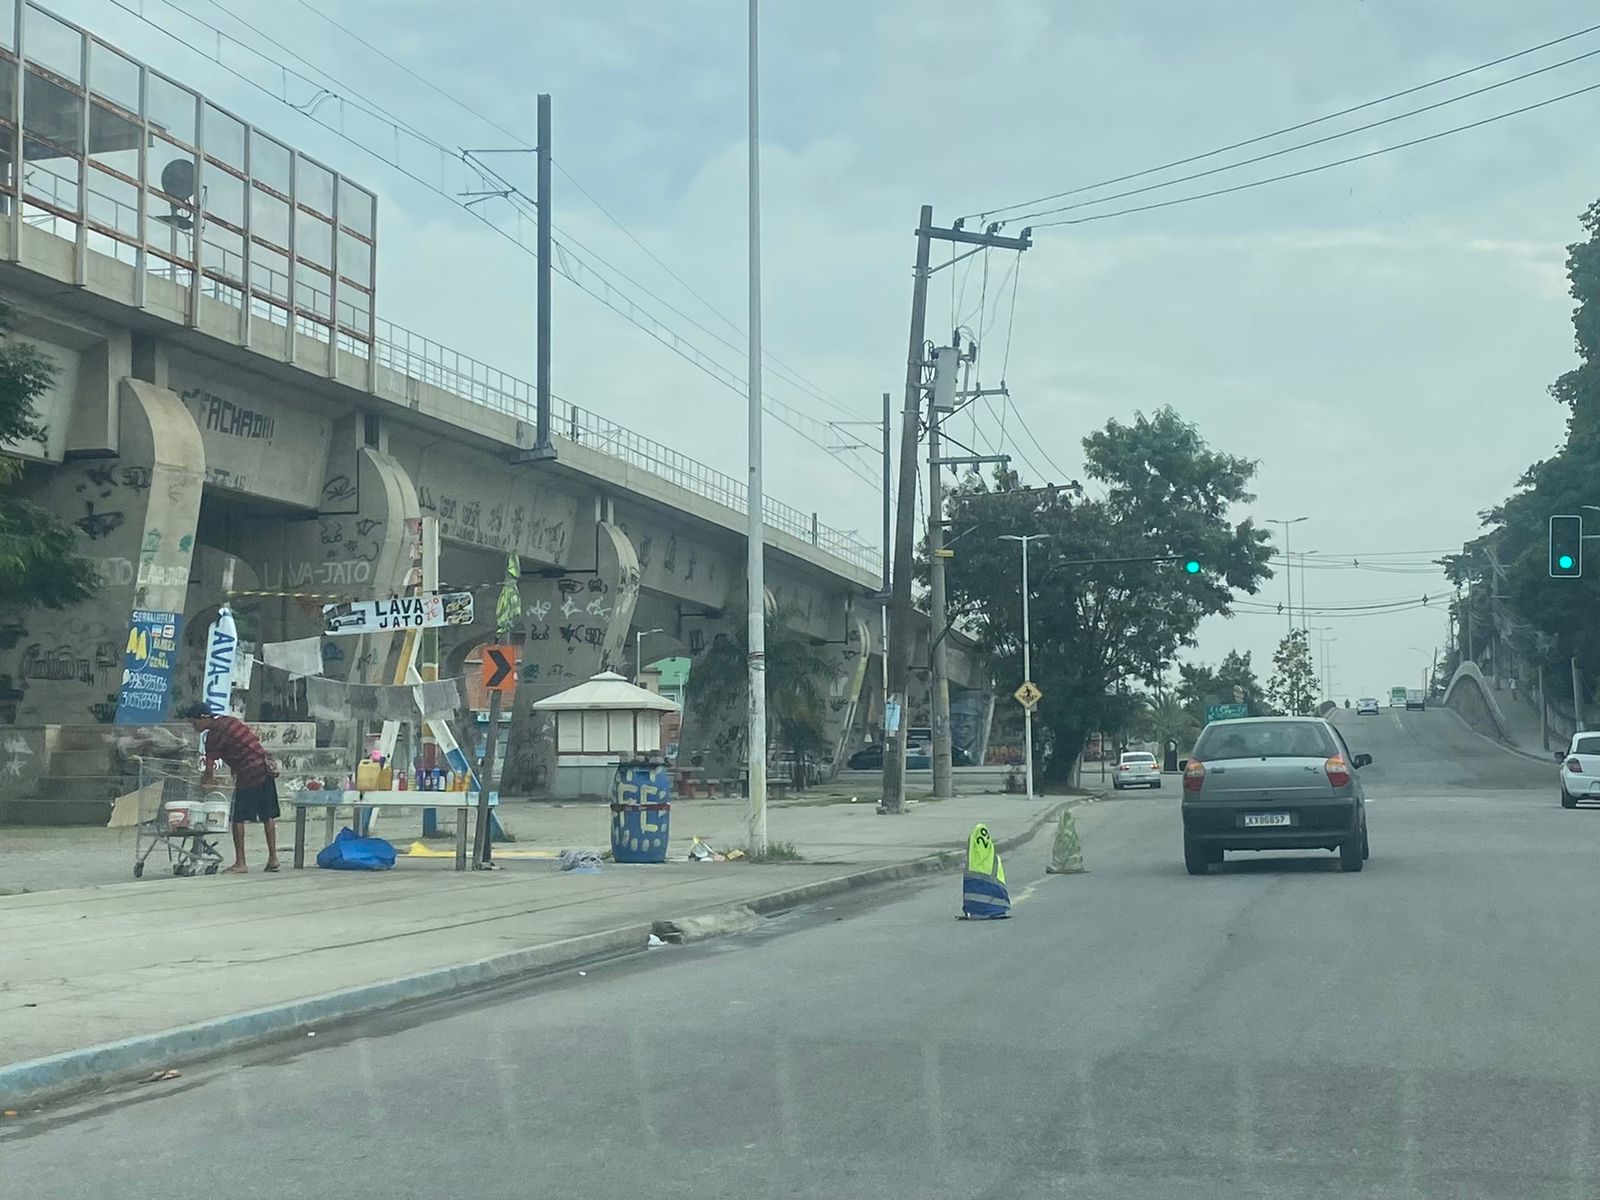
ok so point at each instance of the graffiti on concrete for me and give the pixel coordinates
(96, 525)
(217, 415)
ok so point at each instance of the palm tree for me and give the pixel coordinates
(798, 672)
(1169, 719)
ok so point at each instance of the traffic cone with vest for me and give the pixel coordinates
(1066, 857)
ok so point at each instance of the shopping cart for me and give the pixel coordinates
(177, 812)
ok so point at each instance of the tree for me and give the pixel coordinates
(1099, 624)
(1507, 595)
(1292, 689)
(1168, 719)
(798, 672)
(1232, 681)
(39, 562)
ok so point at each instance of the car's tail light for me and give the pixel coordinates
(1338, 771)
(1194, 775)
(1153, 767)
(1574, 765)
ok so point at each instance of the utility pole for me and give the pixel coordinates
(900, 591)
(946, 361)
(1577, 698)
(899, 656)
(755, 543)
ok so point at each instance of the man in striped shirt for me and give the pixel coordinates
(255, 788)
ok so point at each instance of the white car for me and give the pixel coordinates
(1580, 770)
(1136, 770)
(1367, 706)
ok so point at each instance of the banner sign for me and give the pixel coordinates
(398, 612)
(147, 663)
(222, 657)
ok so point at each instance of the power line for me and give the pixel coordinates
(483, 175)
(798, 381)
(1354, 158)
(1332, 137)
(1333, 116)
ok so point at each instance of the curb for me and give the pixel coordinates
(58, 1075)
(1541, 759)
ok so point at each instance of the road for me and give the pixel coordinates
(1427, 1028)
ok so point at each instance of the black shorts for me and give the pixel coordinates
(259, 803)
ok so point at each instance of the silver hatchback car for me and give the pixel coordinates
(1273, 783)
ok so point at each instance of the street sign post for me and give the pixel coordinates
(1226, 712)
(500, 669)
(397, 612)
(1028, 695)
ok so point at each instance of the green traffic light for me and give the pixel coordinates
(1192, 566)
(1565, 562)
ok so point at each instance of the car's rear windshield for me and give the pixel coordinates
(1268, 739)
(1589, 745)
(1369, 699)
(1138, 758)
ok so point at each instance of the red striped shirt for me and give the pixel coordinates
(236, 744)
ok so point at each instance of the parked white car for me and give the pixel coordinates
(1134, 769)
(1580, 769)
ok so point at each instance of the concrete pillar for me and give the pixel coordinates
(136, 514)
(844, 709)
(360, 546)
(573, 626)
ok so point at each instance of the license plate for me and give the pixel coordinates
(1266, 819)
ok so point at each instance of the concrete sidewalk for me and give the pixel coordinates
(102, 981)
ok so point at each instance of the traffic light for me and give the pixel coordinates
(1191, 566)
(1566, 547)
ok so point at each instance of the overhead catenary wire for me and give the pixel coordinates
(798, 381)
(1287, 129)
(1312, 170)
(1298, 146)
(785, 414)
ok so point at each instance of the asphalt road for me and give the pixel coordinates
(1427, 1028)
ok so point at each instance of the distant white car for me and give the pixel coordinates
(1134, 769)
(1580, 770)
(1367, 706)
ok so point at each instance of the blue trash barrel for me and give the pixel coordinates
(641, 813)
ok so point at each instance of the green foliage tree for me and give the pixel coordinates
(798, 674)
(1292, 688)
(1515, 606)
(1098, 625)
(1200, 685)
(39, 562)
(1168, 718)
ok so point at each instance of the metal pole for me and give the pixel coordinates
(755, 543)
(888, 471)
(1027, 674)
(541, 439)
(1577, 698)
(480, 831)
(1544, 712)
(938, 660)
(894, 758)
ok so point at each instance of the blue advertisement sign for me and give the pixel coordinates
(147, 663)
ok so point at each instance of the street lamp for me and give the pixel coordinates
(638, 653)
(1027, 659)
(1304, 554)
(1288, 573)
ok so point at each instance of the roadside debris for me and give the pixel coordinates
(584, 862)
(162, 1076)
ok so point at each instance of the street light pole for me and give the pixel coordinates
(1288, 564)
(755, 543)
(1027, 654)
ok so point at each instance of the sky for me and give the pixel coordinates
(1378, 337)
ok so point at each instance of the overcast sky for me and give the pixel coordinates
(1378, 336)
